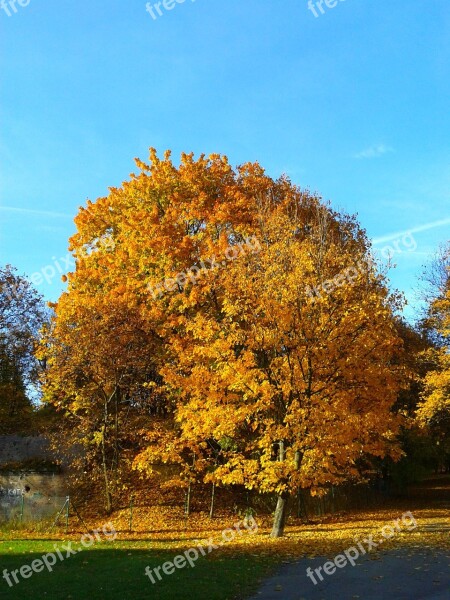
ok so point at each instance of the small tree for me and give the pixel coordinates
(434, 410)
(16, 408)
(22, 313)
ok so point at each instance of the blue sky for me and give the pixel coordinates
(353, 104)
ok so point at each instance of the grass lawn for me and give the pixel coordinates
(115, 571)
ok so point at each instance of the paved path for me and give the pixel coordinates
(406, 574)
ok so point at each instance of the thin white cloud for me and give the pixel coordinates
(425, 227)
(32, 211)
(374, 151)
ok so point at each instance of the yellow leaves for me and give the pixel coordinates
(97, 438)
(436, 405)
(242, 355)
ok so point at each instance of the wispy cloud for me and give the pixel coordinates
(374, 151)
(33, 211)
(425, 227)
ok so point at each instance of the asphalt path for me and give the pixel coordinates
(408, 574)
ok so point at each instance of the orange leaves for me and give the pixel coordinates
(289, 368)
(242, 360)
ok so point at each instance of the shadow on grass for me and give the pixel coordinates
(118, 574)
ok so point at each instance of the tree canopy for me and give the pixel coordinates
(240, 320)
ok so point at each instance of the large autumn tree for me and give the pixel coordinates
(253, 314)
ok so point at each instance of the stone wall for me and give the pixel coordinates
(30, 492)
(31, 496)
(32, 484)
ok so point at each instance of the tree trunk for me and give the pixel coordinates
(213, 495)
(187, 506)
(280, 511)
(115, 462)
(108, 495)
(280, 516)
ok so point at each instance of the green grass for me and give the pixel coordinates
(115, 571)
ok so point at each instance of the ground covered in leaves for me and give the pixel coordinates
(236, 557)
